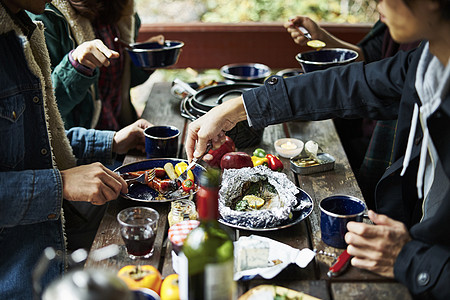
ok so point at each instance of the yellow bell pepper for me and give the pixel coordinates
(181, 167)
(259, 161)
(144, 276)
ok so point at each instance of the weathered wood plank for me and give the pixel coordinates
(369, 291)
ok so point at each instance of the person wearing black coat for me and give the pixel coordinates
(409, 240)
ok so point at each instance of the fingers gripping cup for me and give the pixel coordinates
(161, 141)
(335, 213)
(138, 226)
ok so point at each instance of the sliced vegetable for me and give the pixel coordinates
(181, 167)
(257, 161)
(274, 162)
(188, 185)
(259, 152)
(168, 167)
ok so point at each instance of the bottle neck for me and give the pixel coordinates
(208, 203)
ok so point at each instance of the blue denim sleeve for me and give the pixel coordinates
(90, 145)
(30, 196)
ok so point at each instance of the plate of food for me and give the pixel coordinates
(259, 199)
(274, 292)
(161, 188)
(296, 217)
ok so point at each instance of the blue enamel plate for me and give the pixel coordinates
(143, 193)
(297, 215)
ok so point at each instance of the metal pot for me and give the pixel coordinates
(199, 103)
(150, 56)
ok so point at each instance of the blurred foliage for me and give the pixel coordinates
(235, 11)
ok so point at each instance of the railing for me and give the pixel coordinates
(209, 45)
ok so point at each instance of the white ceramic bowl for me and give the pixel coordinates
(288, 147)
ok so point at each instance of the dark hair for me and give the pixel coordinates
(102, 11)
(443, 4)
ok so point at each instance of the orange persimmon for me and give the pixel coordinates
(145, 276)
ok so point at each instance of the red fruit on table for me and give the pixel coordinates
(218, 153)
(236, 160)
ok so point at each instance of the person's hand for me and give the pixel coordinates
(131, 137)
(317, 33)
(157, 38)
(92, 183)
(376, 247)
(93, 54)
(212, 127)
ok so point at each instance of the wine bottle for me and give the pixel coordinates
(207, 271)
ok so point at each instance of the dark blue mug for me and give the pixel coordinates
(161, 141)
(335, 212)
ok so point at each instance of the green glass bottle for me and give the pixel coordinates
(208, 249)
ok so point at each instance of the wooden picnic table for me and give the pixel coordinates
(163, 108)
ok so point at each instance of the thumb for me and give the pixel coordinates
(114, 54)
(379, 219)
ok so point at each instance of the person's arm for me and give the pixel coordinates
(355, 90)
(318, 33)
(71, 86)
(423, 265)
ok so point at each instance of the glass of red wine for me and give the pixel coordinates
(138, 226)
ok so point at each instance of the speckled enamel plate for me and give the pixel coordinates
(143, 193)
(297, 217)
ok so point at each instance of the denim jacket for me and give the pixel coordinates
(31, 193)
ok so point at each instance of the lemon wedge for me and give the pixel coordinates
(316, 44)
(254, 201)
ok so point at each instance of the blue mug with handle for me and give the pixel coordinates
(161, 141)
(335, 212)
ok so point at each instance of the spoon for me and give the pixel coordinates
(123, 43)
(316, 44)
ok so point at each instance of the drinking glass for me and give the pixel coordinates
(138, 227)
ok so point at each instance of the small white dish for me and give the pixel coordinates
(288, 147)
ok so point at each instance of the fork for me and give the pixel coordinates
(144, 178)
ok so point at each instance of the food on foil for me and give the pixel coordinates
(257, 197)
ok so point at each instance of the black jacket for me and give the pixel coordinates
(381, 90)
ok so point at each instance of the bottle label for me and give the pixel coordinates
(183, 276)
(218, 280)
(219, 283)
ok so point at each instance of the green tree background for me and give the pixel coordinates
(235, 11)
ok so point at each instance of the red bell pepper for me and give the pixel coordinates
(188, 185)
(218, 153)
(275, 164)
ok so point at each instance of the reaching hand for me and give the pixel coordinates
(131, 137)
(376, 247)
(317, 33)
(92, 183)
(93, 54)
(212, 127)
(157, 38)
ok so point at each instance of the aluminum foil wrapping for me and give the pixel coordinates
(233, 181)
